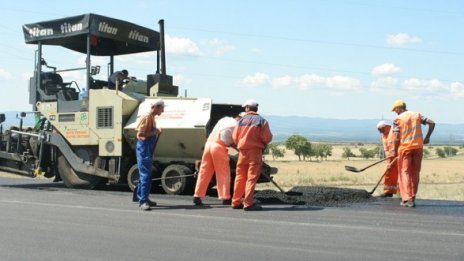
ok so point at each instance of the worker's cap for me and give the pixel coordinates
(251, 103)
(382, 124)
(398, 103)
(157, 103)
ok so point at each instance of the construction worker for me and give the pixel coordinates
(116, 79)
(390, 181)
(251, 135)
(215, 159)
(147, 133)
(408, 145)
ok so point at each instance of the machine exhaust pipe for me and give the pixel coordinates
(162, 49)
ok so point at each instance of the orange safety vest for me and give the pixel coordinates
(388, 139)
(410, 129)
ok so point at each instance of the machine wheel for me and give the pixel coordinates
(176, 186)
(133, 176)
(74, 179)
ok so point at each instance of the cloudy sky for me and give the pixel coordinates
(342, 59)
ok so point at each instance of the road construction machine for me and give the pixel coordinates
(85, 135)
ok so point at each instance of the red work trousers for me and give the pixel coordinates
(215, 159)
(409, 166)
(390, 182)
(247, 174)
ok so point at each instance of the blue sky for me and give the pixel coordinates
(341, 59)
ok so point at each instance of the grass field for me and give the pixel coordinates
(441, 178)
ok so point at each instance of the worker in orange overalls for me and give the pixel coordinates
(390, 182)
(215, 159)
(251, 136)
(409, 148)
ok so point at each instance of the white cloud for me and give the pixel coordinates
(307, 81)
(178, 45)
(385, 69)
(180, 80)
(255, 80)
(457, 89)
(284, 81)
(402, 39)
(343, 83)
(387, 84)
(221, 47)
(5, 75)
(424, 86)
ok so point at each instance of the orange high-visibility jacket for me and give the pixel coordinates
(388, 138)
(252, 132)
(408, 124)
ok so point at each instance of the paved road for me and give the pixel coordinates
(45, 221)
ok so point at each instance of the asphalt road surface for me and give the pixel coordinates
(40, 220)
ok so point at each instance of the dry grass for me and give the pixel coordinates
(440, 178)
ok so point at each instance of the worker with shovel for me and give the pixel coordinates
(147, 133)
(251, 135)
(215, 159)
(391, 175)
(408, 146)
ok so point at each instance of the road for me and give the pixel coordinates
(40, 220)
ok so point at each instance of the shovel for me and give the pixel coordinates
(353, 169)
(381, 178)
(289, 193)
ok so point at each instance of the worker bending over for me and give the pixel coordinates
(391, 176)
(215, 159)
(409, 145)
(251, 135)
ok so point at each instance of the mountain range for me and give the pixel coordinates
(323, 129)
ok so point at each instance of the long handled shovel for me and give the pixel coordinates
(289, 193)
(381, 178)
(353, 169)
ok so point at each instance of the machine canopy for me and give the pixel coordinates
(108, 36)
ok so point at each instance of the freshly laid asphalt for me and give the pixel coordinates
(41, 220)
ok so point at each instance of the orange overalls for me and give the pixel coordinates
(251, 136)
(391, 177)
(410, 149)
(215, 159)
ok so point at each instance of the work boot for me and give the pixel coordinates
(145, 206)
(239, 206)
(386, 195)
(227, 202)
(197, 201)
(151, 203)
(254, 207)
(410, 203)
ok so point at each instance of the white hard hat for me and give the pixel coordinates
(251, 103)
(382, 124)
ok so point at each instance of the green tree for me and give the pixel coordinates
(275, 151)
(347, 154)
(440, 152)
(367, 154)
(426, 153)
(300, 146)
(450, 151)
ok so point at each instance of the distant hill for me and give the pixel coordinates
(333, 130)
(321, 129)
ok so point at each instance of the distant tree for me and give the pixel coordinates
(327, 148)
(440, 152)
(275, 151)
(347, 154)
(426, 153)
(450, 151)
(300, 146)
(367, 154)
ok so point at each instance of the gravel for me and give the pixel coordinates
(315, 196)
